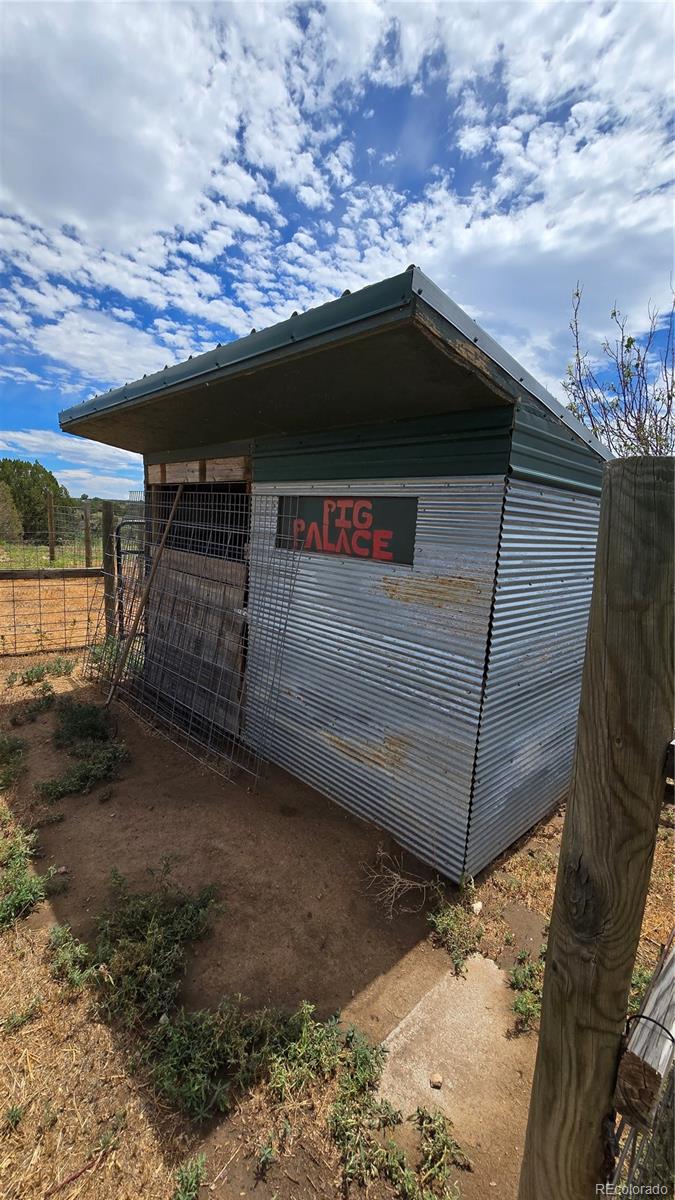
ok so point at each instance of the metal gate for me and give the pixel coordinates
(187, 669)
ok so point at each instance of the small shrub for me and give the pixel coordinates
(70, 960)
(189, 1178)
(265, 1158)
(34, 674)
(439, 1150)
(458, 930)
(80, 722)
(96, 763)
(20, 889)
(141, 943)
(11, 760)
(60, 666)
(14, 1116)
(201, 1061)
(16, 1020)
(527, 979)
(12, 678)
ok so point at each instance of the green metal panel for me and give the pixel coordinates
(543, 450)
(474, 442)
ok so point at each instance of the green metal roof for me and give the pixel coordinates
(398, 349)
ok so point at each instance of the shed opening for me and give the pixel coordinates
(188, 668)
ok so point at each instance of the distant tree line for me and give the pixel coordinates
(24, 487)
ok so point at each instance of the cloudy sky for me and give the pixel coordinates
(173, 174)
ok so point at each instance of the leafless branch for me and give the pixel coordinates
(627, 401)
(391, 885)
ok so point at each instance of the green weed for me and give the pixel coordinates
(266, 1157)
(141, 942)
(527, 979)
(60, 666)
(14, 1116)
(16, 1020)
(20, 889)
(189, 1178)
(80, 722)
(12, 678)
(11, 760)
(70, 960)
(457, 930)
(640, 981)
(34, 674)
(96, 763)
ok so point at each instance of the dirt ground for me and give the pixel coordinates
(295, 923)
(48, 614)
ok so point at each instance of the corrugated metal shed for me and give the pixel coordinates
(436, 699)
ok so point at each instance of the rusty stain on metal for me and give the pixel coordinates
(389, 753)
(431, 591)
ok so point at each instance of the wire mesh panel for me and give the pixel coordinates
(51, 578)
(177, 606)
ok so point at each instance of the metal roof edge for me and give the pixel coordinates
(370, 301)
(428, 291)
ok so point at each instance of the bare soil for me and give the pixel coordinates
(295, 923)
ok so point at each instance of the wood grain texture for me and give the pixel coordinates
(201, 470)
(648, 1055)
(625, 723)
(108, 567)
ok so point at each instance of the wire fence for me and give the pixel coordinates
(176, 632)
(51, 580)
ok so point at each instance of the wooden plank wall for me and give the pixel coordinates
(201, 470)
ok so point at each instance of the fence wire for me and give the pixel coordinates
(202, 666)
(51, 581)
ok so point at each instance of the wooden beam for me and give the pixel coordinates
(108, 567)
(86, 512)
(50, 572)
(625, 723)
(51, 527)
(201, 470)
(648, 1055)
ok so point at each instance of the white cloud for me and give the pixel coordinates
(67, 448)
(173, 169)
(111, 487)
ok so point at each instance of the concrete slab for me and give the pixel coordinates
(459, 1030)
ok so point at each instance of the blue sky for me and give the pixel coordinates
(173, 175)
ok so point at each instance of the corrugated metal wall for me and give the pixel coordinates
(382, 674)
(528, 723)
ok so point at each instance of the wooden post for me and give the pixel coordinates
(86, 508)
(616, 793)
(51, 527)
(108, 567)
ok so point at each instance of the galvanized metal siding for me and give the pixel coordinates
(473, 442)
(528, 723)
(382, 672)
(544, 450)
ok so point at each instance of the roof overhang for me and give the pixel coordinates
(398, 349)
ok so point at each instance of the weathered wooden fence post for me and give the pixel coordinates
(51, 527)
(86, 511)
(108, 567)
(617, 788)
